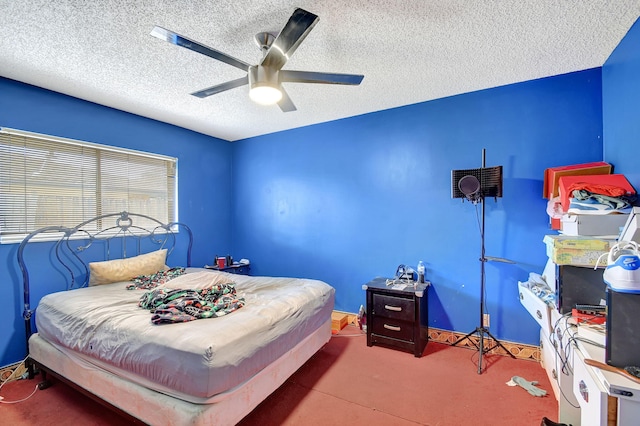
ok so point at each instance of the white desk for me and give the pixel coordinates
(604, 398)
(624, 392)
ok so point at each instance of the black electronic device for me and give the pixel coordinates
(404, 273)
(577, 285)
(623, 329)
(591, 309)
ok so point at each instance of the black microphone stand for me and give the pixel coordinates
(481, 330)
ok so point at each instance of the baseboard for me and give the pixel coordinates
(519, 350)
(6, 372)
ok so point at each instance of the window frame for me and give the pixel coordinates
(171, 163)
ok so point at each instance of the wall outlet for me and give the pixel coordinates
(485, 320)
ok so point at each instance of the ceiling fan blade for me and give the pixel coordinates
(286, 104)
(295, 30)
(320, 77)
(178, 40)
(221, 87)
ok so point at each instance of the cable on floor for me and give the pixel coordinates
(8, 379)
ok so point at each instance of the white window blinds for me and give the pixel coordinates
(50, 181)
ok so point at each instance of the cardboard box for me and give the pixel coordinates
(580, 243)
(553, 174)
(604, 225)
(575, 257)
(339, 321)
(576, 250)
(565, 182)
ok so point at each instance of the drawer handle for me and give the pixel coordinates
(391, 327)
(393, 308)
(539, 314)
(584, 391)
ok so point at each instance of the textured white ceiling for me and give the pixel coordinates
(409, 52)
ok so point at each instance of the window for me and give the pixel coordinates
(51, 181)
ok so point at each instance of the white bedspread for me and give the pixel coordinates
(199, 358)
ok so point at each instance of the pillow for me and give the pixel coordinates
(199, 280)
(112, 271)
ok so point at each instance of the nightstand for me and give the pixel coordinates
(397, 315)
(236, 268)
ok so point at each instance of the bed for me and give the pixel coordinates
(176, 345)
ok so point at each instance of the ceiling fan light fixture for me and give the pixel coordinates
(265, 95)
(264, 87)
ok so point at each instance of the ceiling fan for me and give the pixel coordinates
(265, 79)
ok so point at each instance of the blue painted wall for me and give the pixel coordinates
(349, 200)
(202, 160)
(621, 106)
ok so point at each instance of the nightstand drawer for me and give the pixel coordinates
(388, 327)
(397, 308)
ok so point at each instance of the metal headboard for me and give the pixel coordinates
(72, 242)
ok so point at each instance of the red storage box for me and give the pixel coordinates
(553, 175)
(565, 182)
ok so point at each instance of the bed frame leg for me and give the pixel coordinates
(45, 383)
(30, 369)
(33, 370)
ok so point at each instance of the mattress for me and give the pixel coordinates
(194, 360)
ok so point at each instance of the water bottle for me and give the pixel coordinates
(421, 272)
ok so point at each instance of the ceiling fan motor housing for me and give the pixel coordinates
(264, 86)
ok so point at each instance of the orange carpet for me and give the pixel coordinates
(347, 382)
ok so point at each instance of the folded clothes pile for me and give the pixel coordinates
(589, 198)
(592, 205)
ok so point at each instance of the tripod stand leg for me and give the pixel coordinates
(498, 344)
(482, 332)
(467, 336)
